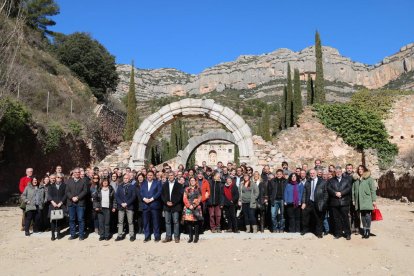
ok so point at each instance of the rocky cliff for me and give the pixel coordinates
(265, 74)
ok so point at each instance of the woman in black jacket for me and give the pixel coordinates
(104, 204)
(56, 195)
(229, 200)
(262, 200)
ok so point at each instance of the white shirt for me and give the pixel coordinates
(105, 198)
(171, 185)
(149, 185)
(313, 185)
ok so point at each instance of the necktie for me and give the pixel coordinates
(313, 190)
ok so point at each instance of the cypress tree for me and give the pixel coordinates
(236, 155)
(319, 81)
(132, 116)
(174, 138)
(309, 90)
(297, 103)
(265, 124)
(289, 99)
(283, 111)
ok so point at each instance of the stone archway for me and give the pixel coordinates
(191, 107)
(196, 141)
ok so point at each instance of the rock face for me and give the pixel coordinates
(266, 74)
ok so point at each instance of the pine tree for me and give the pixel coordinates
(289, 99)
(265, 125)
(297, 102)
(319, 81)
(132, 116)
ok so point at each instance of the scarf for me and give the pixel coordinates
(295, 193)
(227, 192)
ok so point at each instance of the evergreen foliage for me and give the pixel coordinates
(37, 13)
(132, 116)
(297, 102)
(319, 81)
(289, 99)
(309, 91)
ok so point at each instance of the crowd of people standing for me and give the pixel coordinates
(228, 197)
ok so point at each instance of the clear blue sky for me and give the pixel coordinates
(193, 35)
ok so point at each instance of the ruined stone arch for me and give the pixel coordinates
(191, 107)
(196, 141)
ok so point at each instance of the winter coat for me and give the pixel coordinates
(28, 196)
(97, 198)
(364, 192)
(215, 188)
(344, 187)
(234, 194)
(320, 194)
(254, 195)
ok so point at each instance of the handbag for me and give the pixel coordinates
(56, 214)
(376, 215)
(22, 204)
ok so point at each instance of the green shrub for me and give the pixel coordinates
(75, 128)
(13, 117)
(359, 128)
(53, 137)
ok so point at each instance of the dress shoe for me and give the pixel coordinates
(348, 237)
(107, 239)
(59, 236)
(229, 231)
(325, 233)
(336, 237)
(167, 239)
(101, 238)
(302, 233)
(132, 238)
(236, 231)
(119, 238)
(81, 238)
(157, 240)
(53, 238)
(72, 238)
(177, 240)
(147, 240)
(320, 236)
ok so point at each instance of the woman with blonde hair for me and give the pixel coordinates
(249, 193)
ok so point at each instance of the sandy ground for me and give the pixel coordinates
(390, 252)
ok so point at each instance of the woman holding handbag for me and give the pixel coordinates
(364, 197)
(56, 195)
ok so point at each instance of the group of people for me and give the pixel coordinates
(229, 197)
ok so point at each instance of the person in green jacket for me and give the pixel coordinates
(364, 197)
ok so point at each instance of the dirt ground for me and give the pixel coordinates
(389, 252)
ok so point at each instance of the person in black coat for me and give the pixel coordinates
(138, 205)
(125, 198)
(276, 189)
(104, 204)
(340, 190)
(56, 195)
(213, 203)
(314, 203)
(172, 198)
(229, 199)
(76, 192)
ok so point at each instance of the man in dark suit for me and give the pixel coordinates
(172, 197)
(339, 189)
(151, 196)
(76, 191)
(314, 203)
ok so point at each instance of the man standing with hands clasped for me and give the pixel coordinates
(125, 197)
(76, 190)
(151, 195)
(172, 196)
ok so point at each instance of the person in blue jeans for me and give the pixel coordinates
(76, 191)
(276, 189)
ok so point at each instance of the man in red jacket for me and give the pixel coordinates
(22, 185)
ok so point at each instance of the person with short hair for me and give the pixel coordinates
(276, 189)
(125, 197)
(151, 190)
(314, 203)
(340, 193)
(172, 197)
(262, 199)
(34, 197)
(76, 192)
